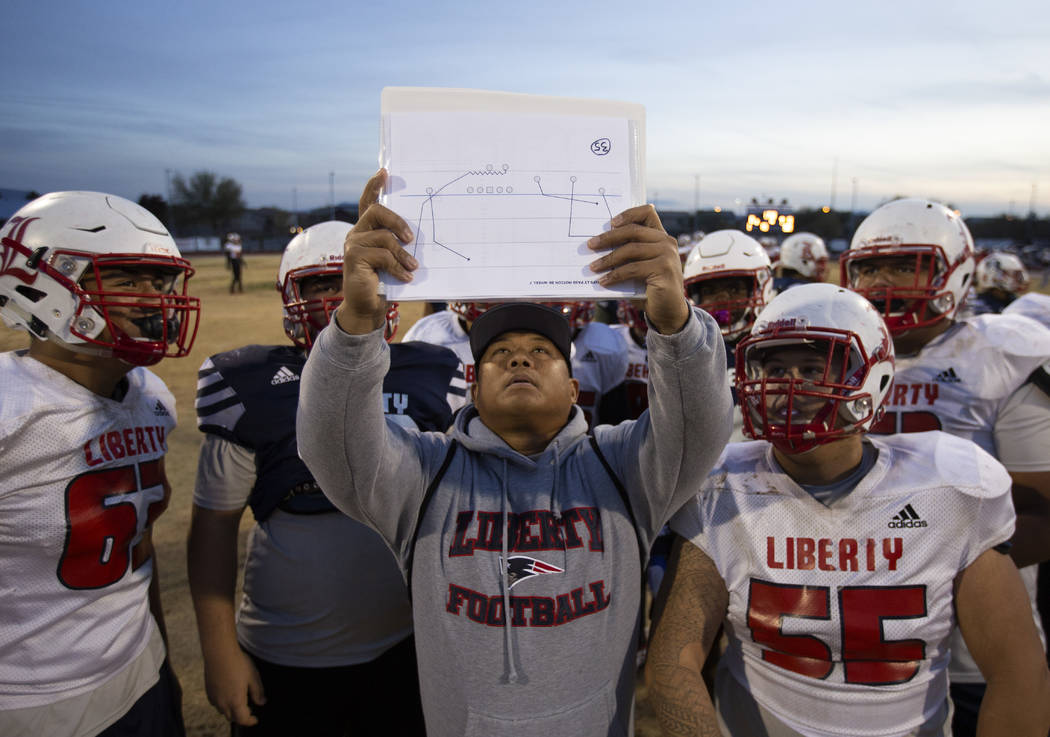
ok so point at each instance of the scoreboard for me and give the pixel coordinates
(770, 218)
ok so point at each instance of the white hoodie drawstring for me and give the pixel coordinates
(555, 502)
(510, 673)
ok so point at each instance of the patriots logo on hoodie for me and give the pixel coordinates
(521, 567)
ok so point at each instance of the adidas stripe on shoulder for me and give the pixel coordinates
(217, 404)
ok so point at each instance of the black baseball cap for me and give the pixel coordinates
(521, 316)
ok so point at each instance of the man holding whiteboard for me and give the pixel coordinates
(579, 512)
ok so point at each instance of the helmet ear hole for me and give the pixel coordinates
(33, 295)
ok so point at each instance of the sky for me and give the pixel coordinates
(821, 103)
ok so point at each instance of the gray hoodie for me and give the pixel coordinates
(574, 579)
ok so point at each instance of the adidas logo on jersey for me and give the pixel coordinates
(589, 357)
(947, 377)
(283, 376)
(160, 410)
(907, 517)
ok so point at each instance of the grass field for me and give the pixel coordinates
(227, 321)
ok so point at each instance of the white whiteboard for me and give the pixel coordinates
(502, 191)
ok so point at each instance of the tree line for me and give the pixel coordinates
(206, 203)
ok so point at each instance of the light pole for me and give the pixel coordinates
(331, 195)
(834, 180)
(171, 205)
(696, 202)
(295, 209)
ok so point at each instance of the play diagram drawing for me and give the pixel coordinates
(563, 211)
(503, 204)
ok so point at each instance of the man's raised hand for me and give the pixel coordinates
(640, 248)
(373, 245)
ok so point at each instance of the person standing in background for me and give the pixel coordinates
(235, 260)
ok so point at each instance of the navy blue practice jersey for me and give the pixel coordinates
(249, 396)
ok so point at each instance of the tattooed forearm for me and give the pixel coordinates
(692, 607)
(681, 702)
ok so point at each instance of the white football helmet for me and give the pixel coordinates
(772, 248)
(727, 254)
(806, 254)
(316, 252)
(1002, 271)
(58, 249)
(844, 329)
(632, 314)
(577, 313)
(941, 245)
(470, 311)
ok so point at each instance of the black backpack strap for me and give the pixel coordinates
(642, 552)
(1041, 378)
(427, 496)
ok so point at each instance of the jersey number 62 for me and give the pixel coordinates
(107, 512)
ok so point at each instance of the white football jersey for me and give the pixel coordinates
(82, 481)
(1033, 305)
(839, 617)
(599, 362)
(637, 376)
(961, 380)
(445, 328)
(960, 383)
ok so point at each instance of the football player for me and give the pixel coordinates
(728, 275)
(1000, 279)
(321, 643)
(840, 563)
(450, 328)
(982, 378)
(599, 356)
(235, 260)
(803, 259)
(100, 286)
(630, 398)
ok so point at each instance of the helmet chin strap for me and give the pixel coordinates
(87, 349)
(120, 352)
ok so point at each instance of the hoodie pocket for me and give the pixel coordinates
(594, 715)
